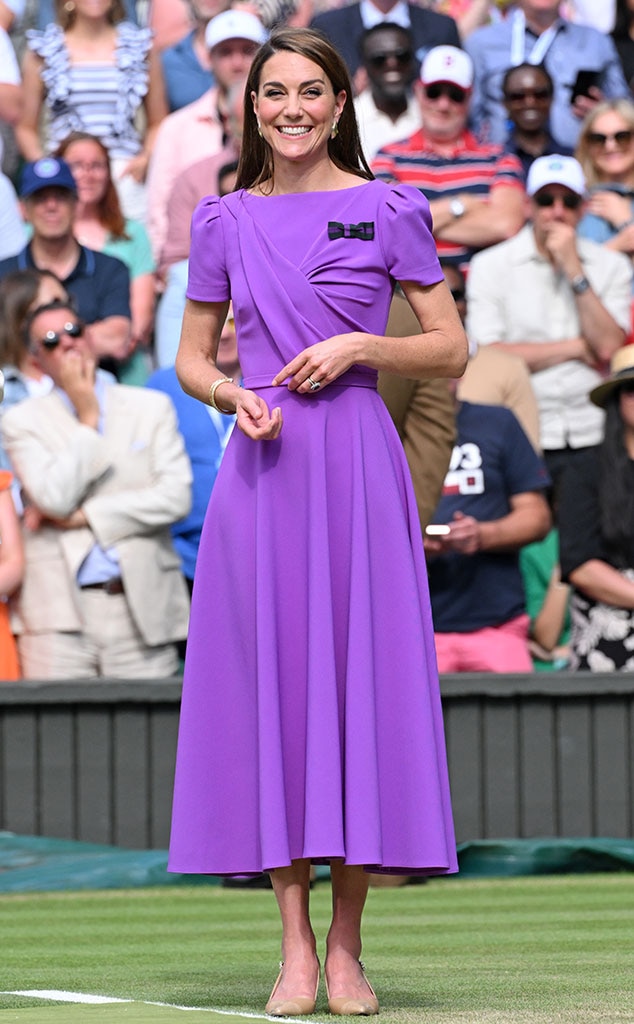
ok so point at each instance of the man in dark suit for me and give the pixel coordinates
(345, 25)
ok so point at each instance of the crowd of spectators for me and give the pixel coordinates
(516, 120)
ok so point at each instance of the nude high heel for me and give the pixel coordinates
(349, 1006)
(296, 1006)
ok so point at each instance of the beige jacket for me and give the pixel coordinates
(132, 481)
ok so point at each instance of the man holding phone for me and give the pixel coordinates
(582, 62)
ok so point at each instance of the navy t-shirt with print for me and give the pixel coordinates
(492, 461)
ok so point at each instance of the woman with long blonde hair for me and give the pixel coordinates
(605, 150)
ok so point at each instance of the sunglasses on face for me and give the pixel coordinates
(400, 57)
(52, 339)
(627, 389)
(621, 139)
(457, 294)
(521, 95)
(452, 92)
(569, 200)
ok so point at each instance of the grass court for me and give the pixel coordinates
(537, 950)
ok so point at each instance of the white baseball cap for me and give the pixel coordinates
(447, 64)
(556, 170)
(234, 25)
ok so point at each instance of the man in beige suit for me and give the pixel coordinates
(103, 473)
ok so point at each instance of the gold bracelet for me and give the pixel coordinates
(212, 394)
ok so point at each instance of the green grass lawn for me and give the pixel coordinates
(533, 950)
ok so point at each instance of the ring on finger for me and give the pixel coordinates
(314, 384)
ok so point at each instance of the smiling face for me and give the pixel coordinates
(296, 107)
(389, 60)
(527, 97)
(89, 165)
(610, 141)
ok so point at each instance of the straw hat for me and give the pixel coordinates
(621, 369)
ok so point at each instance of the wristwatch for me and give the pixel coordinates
(580, 284)
(457, 208)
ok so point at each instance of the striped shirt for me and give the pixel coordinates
(472, 168)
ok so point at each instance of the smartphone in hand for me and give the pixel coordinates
(584, 81)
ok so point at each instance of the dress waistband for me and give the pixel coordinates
(351, 378)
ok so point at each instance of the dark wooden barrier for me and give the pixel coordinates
(529, 756)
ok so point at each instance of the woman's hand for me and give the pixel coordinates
(616, 209)
(136, 168)
(321, 363)
(254, 418)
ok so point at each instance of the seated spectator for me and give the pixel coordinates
(534, 32)
(201, 129)
(606, 153)
(206, 433)
(492, 505)
(493, 377)
(560, 303)
(475, 191)
(528, 95)
(597, 542)
(100, 223)
(386, 110)
(104, 475)
(11, 573)
(344, 27)
(93, 52)
(99, 284)
(186, 65)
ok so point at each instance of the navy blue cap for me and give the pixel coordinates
(48, 172)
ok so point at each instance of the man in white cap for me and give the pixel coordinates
(560, 302)
(475, 191)
(200, 129)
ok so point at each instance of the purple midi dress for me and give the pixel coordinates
(311, 723)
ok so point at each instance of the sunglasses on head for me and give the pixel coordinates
(52, 339)
(521, 95)
(452, 92)
(622, 139)
(569, 200)
(400, 57)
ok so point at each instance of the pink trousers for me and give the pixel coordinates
(502, 648)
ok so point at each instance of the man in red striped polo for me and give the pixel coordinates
(475, 191)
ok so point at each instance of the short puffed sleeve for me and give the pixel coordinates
(405, 233)
(208, 280)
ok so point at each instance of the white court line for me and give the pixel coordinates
(84, 997)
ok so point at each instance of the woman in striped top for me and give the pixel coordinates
(92, 71)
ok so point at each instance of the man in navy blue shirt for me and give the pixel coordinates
(99, 284)
(492, 505)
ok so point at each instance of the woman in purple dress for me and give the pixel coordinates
(311, 726)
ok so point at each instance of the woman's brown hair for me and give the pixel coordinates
(256, 159)
(108, 208)
(65, 12)
(18, 293)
